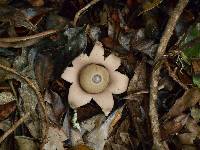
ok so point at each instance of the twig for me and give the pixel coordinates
(37, 92)
(17, 124)
(83, 10)
(156, 71)
(30, 37)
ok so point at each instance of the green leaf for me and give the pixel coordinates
(194, 50)
(196, 80)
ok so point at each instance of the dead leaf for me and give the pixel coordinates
(55, 106)
(195, 113)
(193, 127)
(15, 18)
(55, 139)
(6, 97)
(6, 63)
(194, 132)
(26, 143)
(37, 3)
(7, 109)
(138, 81)
(121, 137)
(97, 138)
(89, 124)
(189, 99)
(137, 84)
(173, 126)
(196, 66)
(187, 138)
(43, 70)
(81, 147)
(29, 105)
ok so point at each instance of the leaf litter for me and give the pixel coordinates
(160, 107)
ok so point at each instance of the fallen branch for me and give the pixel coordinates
(14, 127)
(37, 92)
(83, 10)
(156, 71)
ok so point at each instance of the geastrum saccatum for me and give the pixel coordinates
(94, 77)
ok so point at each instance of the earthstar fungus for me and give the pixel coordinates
(94, 77)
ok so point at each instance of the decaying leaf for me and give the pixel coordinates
(37, 3)
(189, 99)
(192, 134)
(7, 109)
(29, 105)
(55, 139)
(55, 106)
(193, 127)
(187, 138)
(15, 17)
(91, 123)
(6, 97)
(4, 62)
(76, 38)
(173, 126)
(138, 81)
(27, 95)
(196, 66)
(81, 147)
(195, 113)
(26, 143)
(43, 70)
(5, 125)
(97, 138)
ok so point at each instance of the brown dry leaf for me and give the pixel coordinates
(15, 17)
(55, 106)
(26, 143)
(138, 82)
(43, 70)
(6, 63)
(7, 109)
(193, 127)
(6, 97)
(173, 126)
(37, 3)
(187, 138)
(189, 99)
(194, 132)
(196, 66)
(81, 147)
(195, 113)
(121, 137)
(97, 138)
(55, 139)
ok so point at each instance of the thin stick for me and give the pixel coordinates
(37, 92)
(83, 10)
(30, 37)
(156, 71)
(14, 127)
